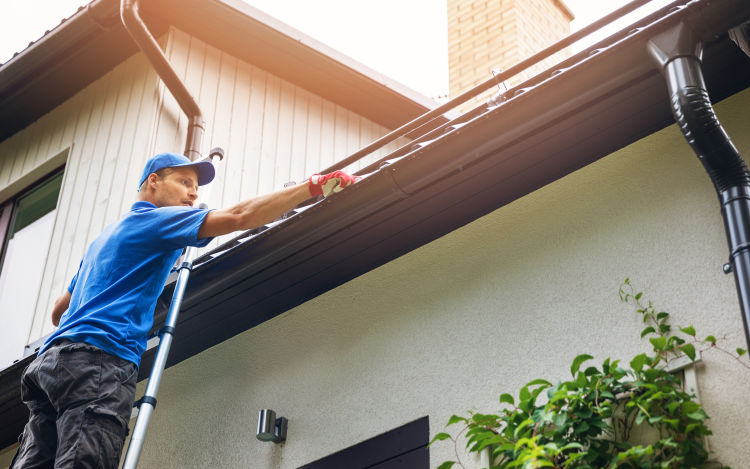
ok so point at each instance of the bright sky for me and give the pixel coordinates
(404, 40)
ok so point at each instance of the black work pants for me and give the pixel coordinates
(80, 399)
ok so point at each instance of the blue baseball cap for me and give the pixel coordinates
(205, 169)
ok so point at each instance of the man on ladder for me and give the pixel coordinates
(80, 388)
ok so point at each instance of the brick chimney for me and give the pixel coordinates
(497, 34)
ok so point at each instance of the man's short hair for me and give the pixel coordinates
(162, 173)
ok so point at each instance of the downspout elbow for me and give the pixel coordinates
(137, 30)
(678, 55)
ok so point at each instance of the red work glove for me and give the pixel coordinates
(327, 184)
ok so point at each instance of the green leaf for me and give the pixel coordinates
(572, 446)
(491, 441)
(455, 419)
(538, 381)
(591, 371)
(638, 361)
(690, 330)
(507, 398)
(524, 394)
(522, 425)
(688, 350)
(638, 295)
(447, 465)
(647, 331)
(440, 437)
(711, 339)
(577, 363)
(619, 373)
(675, 423)
(741, 351)
(582, 427)
(690, 406)
(580, 381)
(662, 315)
(658, 342)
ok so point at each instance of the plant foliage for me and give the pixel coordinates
(597, 418)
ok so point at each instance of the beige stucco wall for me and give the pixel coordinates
(513, 296)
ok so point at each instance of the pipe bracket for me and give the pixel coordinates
(394, 185)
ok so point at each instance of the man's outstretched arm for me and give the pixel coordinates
(263, 209)
(61, 305)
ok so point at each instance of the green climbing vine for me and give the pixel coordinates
(591, 420)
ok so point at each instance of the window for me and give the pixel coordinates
(26, 223)
(402, 448)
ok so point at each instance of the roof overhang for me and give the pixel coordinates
(600, 101)
(93, 41)
(596, 103)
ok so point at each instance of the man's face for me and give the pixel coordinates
(178, 187)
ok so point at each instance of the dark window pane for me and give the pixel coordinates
(36, 203)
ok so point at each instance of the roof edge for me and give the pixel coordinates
(565, 9)
(30, 80)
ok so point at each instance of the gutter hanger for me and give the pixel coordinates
(147, 44)
(677, 52)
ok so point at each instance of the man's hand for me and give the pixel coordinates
(327, 184)
(263, 209)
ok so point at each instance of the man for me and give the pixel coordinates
(80, 388)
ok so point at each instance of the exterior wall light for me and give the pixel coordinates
(271, 428)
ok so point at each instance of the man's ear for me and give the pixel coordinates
(152, 178)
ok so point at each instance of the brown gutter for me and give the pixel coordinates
(147, 44)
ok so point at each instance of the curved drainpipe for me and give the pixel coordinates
(678, 54)
(135, 26)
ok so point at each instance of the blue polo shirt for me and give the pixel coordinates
(114, 292)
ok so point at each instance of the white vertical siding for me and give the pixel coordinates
(271, 130)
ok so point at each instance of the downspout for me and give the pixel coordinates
(147, 44)
(677, 53)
